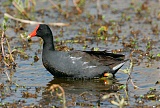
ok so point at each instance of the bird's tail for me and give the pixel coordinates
(117, 67)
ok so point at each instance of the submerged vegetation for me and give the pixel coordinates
(128, 27)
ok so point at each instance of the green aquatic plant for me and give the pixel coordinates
(56, 87)
(24, 6)
(158, 55)
(120, 100)
(3, 40)
(7, 57)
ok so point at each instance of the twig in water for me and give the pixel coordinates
(9, 50)
(59, 9)
(99, 10)
(129, 72)
(6, 56)
(6, 63)
(2, 41)
(75, 4)
(67, 9)
(53, 87)
(7, 75)
(3, 53)
(120, 101)
(20, 8)
(34, 22)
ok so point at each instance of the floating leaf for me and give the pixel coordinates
(102, 30)
(158, 55)
(122, 87)
(151, 96)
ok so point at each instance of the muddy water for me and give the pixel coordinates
(30, 75)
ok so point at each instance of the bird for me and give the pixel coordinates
(75, 63)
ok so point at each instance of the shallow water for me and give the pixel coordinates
(84, 93)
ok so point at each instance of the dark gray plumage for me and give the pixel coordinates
(78, 64)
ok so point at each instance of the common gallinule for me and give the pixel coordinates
(77, 64)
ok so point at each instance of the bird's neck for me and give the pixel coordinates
(48, 44)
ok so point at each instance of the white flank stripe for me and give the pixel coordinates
(75, 58)
(91, 66)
